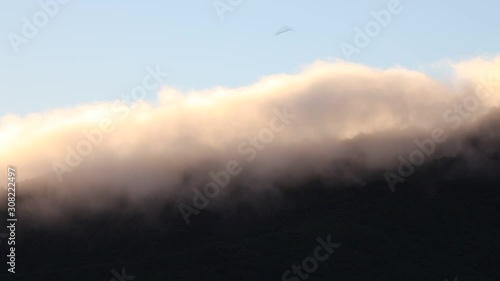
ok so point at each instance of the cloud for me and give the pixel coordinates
(352, 121)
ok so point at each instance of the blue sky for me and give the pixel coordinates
(98, 50)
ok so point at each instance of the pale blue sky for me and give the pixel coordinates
(98, 50)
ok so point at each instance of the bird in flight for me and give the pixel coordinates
(282, 30)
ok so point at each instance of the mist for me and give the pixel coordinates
(344, 123)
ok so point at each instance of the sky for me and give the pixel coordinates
(251, 121)
(94, 51)
(347, 95)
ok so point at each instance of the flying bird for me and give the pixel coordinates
(282, 30)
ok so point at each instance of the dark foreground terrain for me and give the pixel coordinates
(429, 229)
